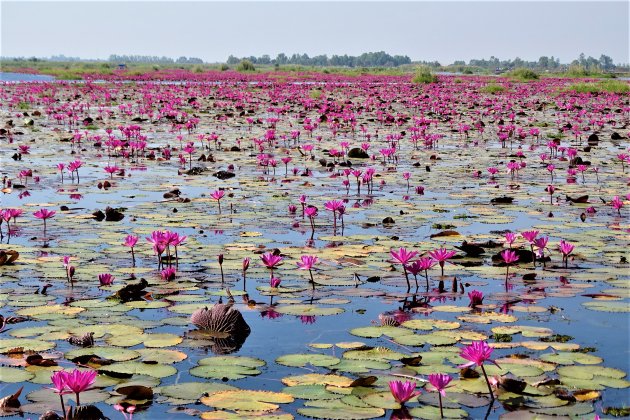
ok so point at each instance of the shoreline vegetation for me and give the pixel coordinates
(377, 64)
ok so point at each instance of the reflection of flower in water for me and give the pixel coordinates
(270, 313)
(24, 194)
(505, 308)
(307, 319)
(76, 196)
(436, 297)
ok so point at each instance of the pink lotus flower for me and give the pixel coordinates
(477, 353)
(127, 412)
(168, 274)
(307, 262)
(274, 282)
(423, 264)
(441, 255)
(105, 279)
(476, 298)
(403, 256)
(510, 238)
(439, 382)
(78, 381)
(566, 249)
(403, 391)
(44, 214)
(131, 241)
(218, 195)
(270, 260)
(509, 256)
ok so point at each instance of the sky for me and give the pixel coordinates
(423, 30)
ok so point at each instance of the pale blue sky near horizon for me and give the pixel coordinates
(423, 30)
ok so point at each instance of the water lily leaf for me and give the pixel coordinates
(162, 355)
(377, 353)
(430, 412)
(138, 368)
(375, 332)
(111, 353)
(360, 366)
(247, 400)
(49, 312)
(12, 375)
(301, 360)
(526, 331)
(317, 379)
(230, 367)
(607, 306)
(225, 415)
(578, 410)
(192, 391)
(345, 413)
(310, 392)
(381, 400)
(565, 358)
(429, 324)
(7, 344)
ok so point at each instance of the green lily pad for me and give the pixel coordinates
(192, 391)
(301, 360)
(230, 367)
(346, 413)
(430, 412)
(138, 368)
(12, 375)
(247, 400)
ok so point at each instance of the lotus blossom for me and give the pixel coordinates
(403, 257)
(168, 274)
(105, 279)
(218, 195)
(274, 282)
(476, 298)
(79, 380)
(423, 264)
(403, 391)
(130, 242)
(307, 262)
(566, 249)
(439, 382)
(477, 353)
(441, 255)
(44, 214)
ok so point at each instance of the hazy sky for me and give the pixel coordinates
(443, 31)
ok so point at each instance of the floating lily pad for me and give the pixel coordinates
(230, 367)
(246, 400)
(300, 360)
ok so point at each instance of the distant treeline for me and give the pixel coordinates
(544, 63)
(153, 59)
(371, 59)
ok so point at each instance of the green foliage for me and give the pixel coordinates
(224, 67)
(245, 65)
(492, 88)
(523, 74)
(315, 94)
(609, 86)
(424, 75)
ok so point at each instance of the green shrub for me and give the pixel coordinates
(245, 65)
(224, 67)
(523, 74)
(492, 88)
(424, 75)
